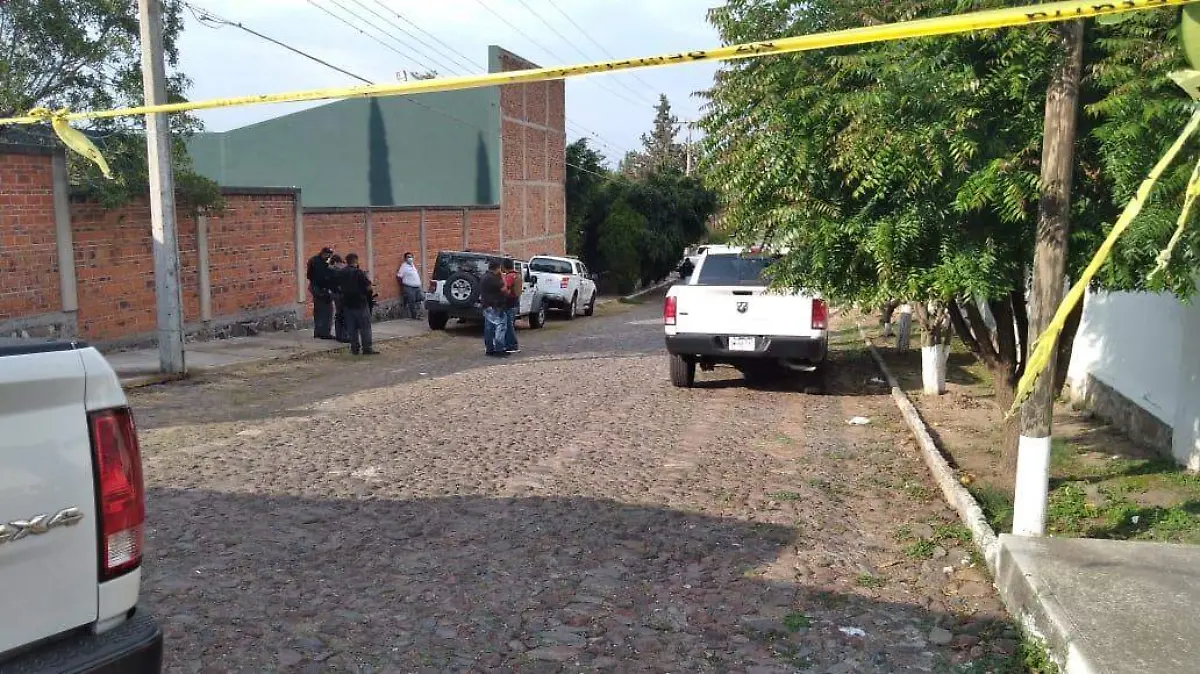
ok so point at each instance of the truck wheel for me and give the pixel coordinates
(683, 371)
(591, 307)
(538, 318)
(438, 321)
(573, 310)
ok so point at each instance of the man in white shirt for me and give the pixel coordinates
(410, 288)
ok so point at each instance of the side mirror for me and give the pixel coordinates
(530, 278)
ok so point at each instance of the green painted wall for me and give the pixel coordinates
(439, 149)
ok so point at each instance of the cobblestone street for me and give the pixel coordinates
(433, 510)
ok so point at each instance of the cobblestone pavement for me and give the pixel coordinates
(566, 510)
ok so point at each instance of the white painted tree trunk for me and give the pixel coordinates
(933, 368)
(904, 334)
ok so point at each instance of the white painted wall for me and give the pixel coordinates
(1146, 347)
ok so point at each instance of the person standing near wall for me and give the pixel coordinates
(321, 284)
(357, 297)
(410, 287)
(514, 285)
(337, 265)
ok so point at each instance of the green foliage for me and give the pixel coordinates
(661, 151)
(618, 245)
(911, 169)
(84, 55)
(585, 176)
(794, 622)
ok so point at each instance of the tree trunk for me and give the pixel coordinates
(935, 345)
(1066, 345)
(1049, 270)
(1021, 316)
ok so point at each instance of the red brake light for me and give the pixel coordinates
(564, 282)
(670, 306)
(820, 315)
(121, 493)
(433, 286)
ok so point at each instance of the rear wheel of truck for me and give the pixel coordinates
(573, 310)
(683, 371)
(537, 318)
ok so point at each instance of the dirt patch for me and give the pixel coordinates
(1102, 485)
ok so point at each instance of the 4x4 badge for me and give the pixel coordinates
(39, 524)
(743, 307)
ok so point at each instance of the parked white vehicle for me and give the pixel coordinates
(72, 512)
(726, 315)
(565, 284)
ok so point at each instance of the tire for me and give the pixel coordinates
(438, 321)
(591, 307)
(537, 319)
(573, 310)
(683, 371)
(461, 289)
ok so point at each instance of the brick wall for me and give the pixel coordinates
(533, 144)
(28, 251)
(394, 233)
(250, 255)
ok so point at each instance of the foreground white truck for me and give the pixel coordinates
(725, 314)
(72, 512)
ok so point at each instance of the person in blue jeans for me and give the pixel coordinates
(513, 285)
(495, 321)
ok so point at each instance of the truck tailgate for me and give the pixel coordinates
(739, 310)
(48, 549)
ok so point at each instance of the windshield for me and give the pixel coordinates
(548, 266)
(734, 270)
(450, 263)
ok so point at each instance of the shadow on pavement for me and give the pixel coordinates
(257, 583)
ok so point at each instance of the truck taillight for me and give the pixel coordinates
(820, 315)
(564, 282)
(121, 494)
(670, 307)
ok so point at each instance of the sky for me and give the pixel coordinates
(612, 109)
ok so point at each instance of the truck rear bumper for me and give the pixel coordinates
(715, 348)
(135, 647)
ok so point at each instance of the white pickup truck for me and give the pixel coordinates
(565, 284)
(72, 512)
(725, 314)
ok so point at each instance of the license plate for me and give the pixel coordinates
(741, 344)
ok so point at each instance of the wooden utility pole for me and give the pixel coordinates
(162, 193)
(1049, 273)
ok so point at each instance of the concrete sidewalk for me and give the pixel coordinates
(139, 367)
(1107, 607)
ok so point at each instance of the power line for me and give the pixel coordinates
(203, 15)
(392, 24)
(364, 33)
(549, 51)
(572, 44)
(607, 53)
(466, 63)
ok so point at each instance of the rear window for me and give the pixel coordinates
(451, 263)
(547, 266)
(735, 270)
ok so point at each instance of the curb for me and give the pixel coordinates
(143, 381)
(1020, 589)
(646, 291)
(956, 495)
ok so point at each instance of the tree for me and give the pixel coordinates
(661, 151)
(910, 170)
(84, 55)
(586, 174)
(619, 245)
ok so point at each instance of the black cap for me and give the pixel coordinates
(326, 250)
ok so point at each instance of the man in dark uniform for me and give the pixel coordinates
(321, 284)
(336, 266)
(357, 298)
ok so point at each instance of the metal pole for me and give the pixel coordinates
(162, 193)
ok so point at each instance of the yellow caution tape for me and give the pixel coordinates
(71, 137)
(1046, 342)
(961, 23)
(1193, 191)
